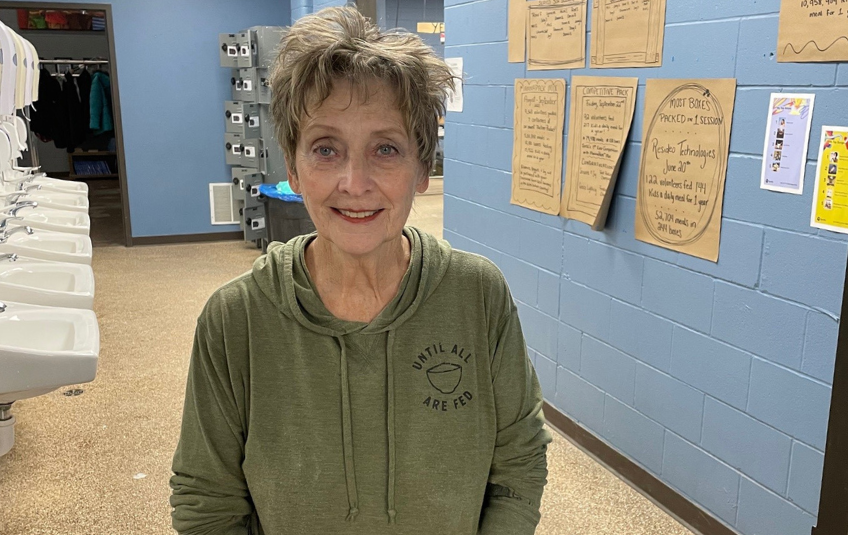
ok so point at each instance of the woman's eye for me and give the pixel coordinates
(386, 150)
(325, 151)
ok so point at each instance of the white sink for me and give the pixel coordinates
(55, 220)
(56, 284)
(45, 348)
(45, 245)
(56, 184)
(57, 200)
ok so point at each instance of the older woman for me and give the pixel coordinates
(365, 379)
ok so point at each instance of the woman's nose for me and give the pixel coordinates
(356, 179)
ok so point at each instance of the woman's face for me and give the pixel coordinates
(357, 169)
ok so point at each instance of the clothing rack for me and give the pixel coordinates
(75, 61)
(79, 62)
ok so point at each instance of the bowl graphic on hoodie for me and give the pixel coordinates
(445, 377)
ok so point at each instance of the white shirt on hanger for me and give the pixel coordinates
(29, 71)
(8, 82)
(21, 75)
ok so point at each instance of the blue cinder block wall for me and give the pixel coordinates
(716, 378)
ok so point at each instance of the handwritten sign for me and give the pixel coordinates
(812, 30)
(516, 27)
(684, 163)
(556, 35)
(627, 33)
(537, 145)
(601, 114)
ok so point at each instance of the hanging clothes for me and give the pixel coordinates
(101, 103)
(76, 122)
(50, 116)
(8, 83)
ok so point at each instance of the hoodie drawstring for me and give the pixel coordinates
(390, 388)
(347, 438)
(350, 474)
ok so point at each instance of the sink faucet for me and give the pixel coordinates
(26, 188)
(11, 257)
(13, 211)
(13, 197)
(5, 222)
(4, 236)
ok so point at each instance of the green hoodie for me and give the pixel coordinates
(426, 421)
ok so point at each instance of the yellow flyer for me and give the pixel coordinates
(830, 197)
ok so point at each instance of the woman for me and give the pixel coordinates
(365, 379)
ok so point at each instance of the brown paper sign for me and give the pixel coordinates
(556, 35)
(812, 30)
(600, 119)
(537, 145)
(627, 33)
(515, 30)
(685, 144)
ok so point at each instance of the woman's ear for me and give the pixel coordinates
(294, 182)
(423, 181)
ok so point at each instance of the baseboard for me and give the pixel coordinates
(188, 238)
(674, 503)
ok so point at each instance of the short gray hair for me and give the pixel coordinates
(339, 43)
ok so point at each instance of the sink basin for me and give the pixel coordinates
(56, 284)
(45, 348)
(55, 246)
(55, 220)
(57, 200)
(56, 184)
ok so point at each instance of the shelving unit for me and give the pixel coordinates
(110, 157)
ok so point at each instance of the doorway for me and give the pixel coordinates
(70, 39)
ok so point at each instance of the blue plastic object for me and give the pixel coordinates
(280, 191)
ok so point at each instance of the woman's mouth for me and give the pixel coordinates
(358, 216)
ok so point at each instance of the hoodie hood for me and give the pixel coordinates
(282, 276)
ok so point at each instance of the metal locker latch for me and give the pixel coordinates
(245, 50)
(239, 84)
(257, 223)
(254, 191)
(248, 85)
(254, 122)
(237, 118)
(250, 152)
(232, 51)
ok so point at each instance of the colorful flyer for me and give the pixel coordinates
(787, 138)
(830, 198)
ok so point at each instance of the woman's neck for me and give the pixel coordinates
(357, 288)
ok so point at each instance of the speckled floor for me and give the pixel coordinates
(99, 462)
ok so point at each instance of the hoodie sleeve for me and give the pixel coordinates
(210, 495)
(519, 467)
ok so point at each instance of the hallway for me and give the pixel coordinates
(99, 462)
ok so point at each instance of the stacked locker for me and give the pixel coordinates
(250, 141)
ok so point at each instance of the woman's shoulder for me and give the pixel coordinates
(478, 266)
(231, 298)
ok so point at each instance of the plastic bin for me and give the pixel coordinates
(285, 219)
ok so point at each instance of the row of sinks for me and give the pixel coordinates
(49, 335)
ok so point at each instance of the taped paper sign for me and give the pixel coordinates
(556, 35)
(516, 25)
(600, 119)
(685, 144)
(537, 144)
(812, 30)
(455, 96)
(627, 33)
(830, 196)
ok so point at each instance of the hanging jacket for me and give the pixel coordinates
(76, 122)
(100, 103)
(43, 115)
(426, 421)
(84, 89)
